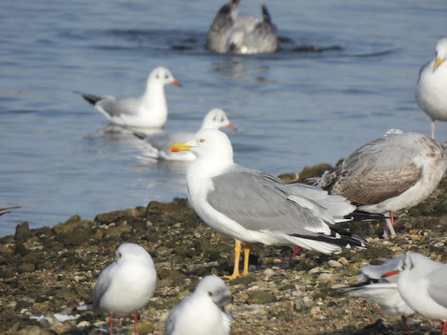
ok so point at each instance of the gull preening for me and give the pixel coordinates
(382, 290)
(157, 145)
(394, 172)
(422, 285)
(431, 92)
(202, 312)
(242, 34)
(125, 286)
(149, 110)
(252, 206)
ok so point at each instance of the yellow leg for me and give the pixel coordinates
(237, 257)
(246, 256)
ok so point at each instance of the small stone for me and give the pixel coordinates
(326, 277)
(335, 264)
(343, 261)
(98, 234)
(27, 267)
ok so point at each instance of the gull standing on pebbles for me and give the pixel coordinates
(431, 92)
(382, 290)
(126, 285)
(158, 144)
(394, 172)
(149, 110)
(252, 206)
(203, 312)
(422, 285)
(241, 34)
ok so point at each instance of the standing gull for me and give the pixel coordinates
(241, 34)
(252, 206)
(202, 313)
(422, 285)
(431, 92)
(158, 144)
(126, 285)
(149, 110)
(382, 290)
(394, 172)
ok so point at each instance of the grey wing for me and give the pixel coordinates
(221, 27)
(267, 39)
(437, 285)
(259, 201)
(103, 282)
(115, 107)
(377, 171)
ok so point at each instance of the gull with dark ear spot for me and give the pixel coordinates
(203, 312)
(431, 92)
(242, 34)
(150, 110)
(125, 286)
(422, 285)
(394, 172)
(157, 145)
(252, 206)
(373, 286)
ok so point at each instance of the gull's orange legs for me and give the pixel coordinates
(246, 256)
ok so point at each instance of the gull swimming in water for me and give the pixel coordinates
(431, 92)
(158, 144)
(422, 285)
(394, 172)
(125, 286)
(382, 290)
(149, 110)
(202, 313)
(241, 34)
(252, 206)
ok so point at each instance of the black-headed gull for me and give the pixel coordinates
(158, 145)
(149, 110)
(242, 34)
(252, 206)
(394, 172)
(382, 290)
(126, 285)
(431, 92)
(202, 312)
(422, 285)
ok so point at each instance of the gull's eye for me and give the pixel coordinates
(166, 76)
(202, 140)
(222, 120)
(119, 255)
(210, 294)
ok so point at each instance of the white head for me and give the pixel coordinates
(211, 144)
(215, 288)
(133, 251)
(441, 52)
(162, 76)
(215, 119)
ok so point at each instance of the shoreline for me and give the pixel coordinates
(52, 270)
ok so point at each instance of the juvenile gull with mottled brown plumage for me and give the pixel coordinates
(394, 172)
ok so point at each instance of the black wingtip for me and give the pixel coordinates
(92, 99)
(266, 15)
(141, 136)
(8, 209)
